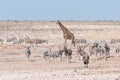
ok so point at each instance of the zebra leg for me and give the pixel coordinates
(78, 56)
(68, 59)
(100, 54)
(54, 57)
(60, 57)
(106, 56)
(49, 59)
(87, 65)
(27, 55)
(116, 50)
(96, 54)
(84, 65)
(65, 41)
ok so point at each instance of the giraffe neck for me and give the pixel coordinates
(62, 27)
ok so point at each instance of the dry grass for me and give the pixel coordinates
(13, 61)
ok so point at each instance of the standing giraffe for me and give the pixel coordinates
(66, 33)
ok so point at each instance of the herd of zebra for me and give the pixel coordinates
(22, 42)
(96, 49)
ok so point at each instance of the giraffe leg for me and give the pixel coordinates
(73, 43)
(73, 40)
(65, 42)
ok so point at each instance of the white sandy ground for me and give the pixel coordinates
(83, 74)
(14, 66)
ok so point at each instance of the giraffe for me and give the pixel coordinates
(66, 33)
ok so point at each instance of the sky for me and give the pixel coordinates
(60, 9)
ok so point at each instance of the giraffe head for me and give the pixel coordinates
(58, 22)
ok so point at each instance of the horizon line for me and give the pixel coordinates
(63, 20)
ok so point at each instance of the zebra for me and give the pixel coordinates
(2, 41)
(98, 49)
(9, 41)
(82, 41)
(20, 41)
(35, 41)
(80, 52)
(27, 53)
(60, 53)
(30, 41)
(40, 41)
(107, 47)
(48, 54)
(115, 41)
(68, 53)
(117, 50)
(85, 56)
